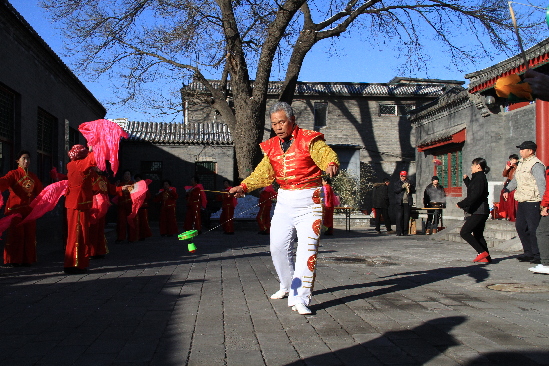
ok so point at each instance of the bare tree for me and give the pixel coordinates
(152, 40)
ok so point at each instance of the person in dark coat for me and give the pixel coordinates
(435, 197)
(380, 202)
(476, 209)
(403, 198)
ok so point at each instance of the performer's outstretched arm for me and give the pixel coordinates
(262, 176)
(324, 157)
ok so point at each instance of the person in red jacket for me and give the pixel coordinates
(265, 204)
(168, 221)
(228, 203)
(24, 186)
(78, 202)
(97, 240)
(144, 229)
(123, 229)
(195, 202)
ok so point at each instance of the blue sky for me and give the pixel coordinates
(352, 60)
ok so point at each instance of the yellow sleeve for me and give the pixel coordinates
(322, 154)
(262, 176)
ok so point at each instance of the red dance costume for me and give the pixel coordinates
(78, 202)
(168, 220)
(228, 203)
(194, 204)
(263, 217)
(20, 246)
(97, 239)
(144, 230)
(124, 204)
(328, 209)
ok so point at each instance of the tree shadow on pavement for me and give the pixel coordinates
(419, 346)
(415, 346)
(400, 282)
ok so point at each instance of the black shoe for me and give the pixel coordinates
(228, 233)
(399, 234)
(536, 261)
(524, 258)
(97, 257)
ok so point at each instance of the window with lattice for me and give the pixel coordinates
(206, 172)
(45, 142)
(151, 170)
(395, 109)
(7, 123)
(450, 171)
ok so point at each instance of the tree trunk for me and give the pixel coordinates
(250, 117)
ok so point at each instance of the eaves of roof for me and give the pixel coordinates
(177, 133)
(536, 55)
(343, 89)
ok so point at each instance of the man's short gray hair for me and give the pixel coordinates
(282, 106)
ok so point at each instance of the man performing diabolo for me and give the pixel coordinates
(295, 158)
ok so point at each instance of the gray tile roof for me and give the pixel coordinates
(441, 136)
(177, 133)
(344, 89)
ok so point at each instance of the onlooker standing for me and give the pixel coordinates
(508, 208)
(380, 202)
(403, 193)
(529, 186)
(476, 209)
(435, 197)
(543, 232)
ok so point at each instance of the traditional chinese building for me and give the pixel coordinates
(462, 125)
(41, 101)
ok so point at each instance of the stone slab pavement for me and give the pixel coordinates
(379, 300)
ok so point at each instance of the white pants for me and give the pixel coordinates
(296, 211)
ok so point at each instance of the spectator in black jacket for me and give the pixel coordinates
(476, 209)
(403, 199)
(435, 197)
(380, 202)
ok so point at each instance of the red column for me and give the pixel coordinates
(542, 130)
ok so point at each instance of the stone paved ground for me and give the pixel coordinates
(379, 300)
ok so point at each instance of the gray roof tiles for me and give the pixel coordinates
(177, 133)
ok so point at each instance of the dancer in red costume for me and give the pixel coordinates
(263, 217)
(228, 203)
(295, 158)
(78, 203)
(144, 229)
(196, 200)
(124, 204)
(97, 241)
(20, 246)
(168, 220)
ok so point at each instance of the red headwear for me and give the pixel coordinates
(78, 152)
(404, 173)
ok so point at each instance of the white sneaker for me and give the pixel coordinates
(302, 309)
(280, 294)
(540, 268)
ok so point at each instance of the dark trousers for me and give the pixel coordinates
(543, 240)
(528, 216)
(402, 218)
(472, 232)
(433, 218)
(383, 212)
